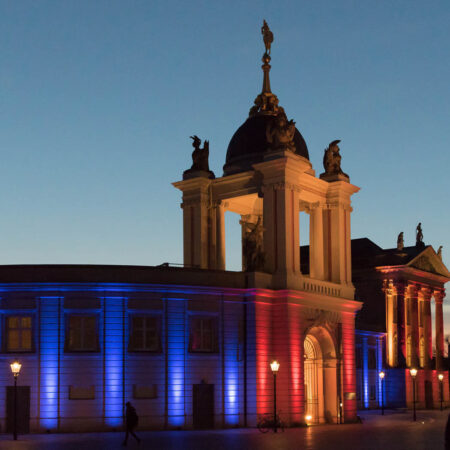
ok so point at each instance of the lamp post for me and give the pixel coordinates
(441, 391)
(382, 375)
(413, 373)
(15, 369)
(275, 365)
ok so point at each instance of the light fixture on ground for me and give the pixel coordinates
(275, 365)
(15, 369)
(382, 375)
(441, 391)
(413, 373)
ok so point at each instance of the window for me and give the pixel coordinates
(81, 333)
(372, 360)
(144, 334)
(203, 334)
(18, 333)
(373, 392)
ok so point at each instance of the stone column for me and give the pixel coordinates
(391, 324)
(281, 229)
(316, 243)
(197, 223)
(220, 236)
(338, 244)
(427, 329)
(439, 327)
(401, 324)
(414, 304)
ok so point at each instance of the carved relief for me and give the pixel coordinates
(424, 263)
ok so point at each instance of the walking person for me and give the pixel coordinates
(131, 422)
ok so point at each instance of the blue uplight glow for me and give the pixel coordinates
(49, 360)
(176, 359)
(113, 354)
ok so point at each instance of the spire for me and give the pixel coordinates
(266, 102)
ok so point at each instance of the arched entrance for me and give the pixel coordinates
(321, 402)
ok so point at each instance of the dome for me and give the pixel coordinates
(249, 144)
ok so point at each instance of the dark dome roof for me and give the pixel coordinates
(249, 144)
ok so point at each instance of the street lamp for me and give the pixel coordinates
(441, 392)
(275, 365)
(413, 373)
(15, 369)
(382, 375)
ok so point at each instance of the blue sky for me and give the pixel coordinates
(99, 98)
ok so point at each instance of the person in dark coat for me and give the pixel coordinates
(131, 422)
(447, 434)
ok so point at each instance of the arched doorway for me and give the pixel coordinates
(321, 402)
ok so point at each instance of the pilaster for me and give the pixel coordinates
(316, 243)
(439, 328)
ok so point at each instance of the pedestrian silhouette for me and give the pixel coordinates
(447, 434)
(131, 422)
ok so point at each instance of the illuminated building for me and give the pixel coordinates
(400, 287)
(191, 347)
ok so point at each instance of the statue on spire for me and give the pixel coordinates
(267, 37)
(266, 102)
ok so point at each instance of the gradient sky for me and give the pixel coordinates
(99, 98)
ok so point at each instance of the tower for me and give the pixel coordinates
(306, 320)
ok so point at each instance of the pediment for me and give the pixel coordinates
(428, 261)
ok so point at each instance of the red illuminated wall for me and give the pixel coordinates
(348, 361)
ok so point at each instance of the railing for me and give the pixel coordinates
(321, 287)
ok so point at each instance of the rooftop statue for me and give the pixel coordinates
(267, 36)
(280, 133)
(400, 242)
(419, 235)
(200, 160)
(439, 252)
(332, 159)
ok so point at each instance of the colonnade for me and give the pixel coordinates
(409, 324)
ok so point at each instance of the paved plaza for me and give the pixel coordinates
(393, 431)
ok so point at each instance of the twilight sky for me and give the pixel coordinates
(99, 98)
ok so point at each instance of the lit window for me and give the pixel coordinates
(19, 336)
(203, 334)
(144, 334)
(81, 335)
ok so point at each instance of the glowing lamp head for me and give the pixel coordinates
(275, 365)
(413, 372)
(308, 418)
(441, 376)
(15, 368)
(381, 375)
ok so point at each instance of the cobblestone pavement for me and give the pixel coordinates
(392, 431)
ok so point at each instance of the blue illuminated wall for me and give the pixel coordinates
(113, 354)
(233, 354)
(176, 345)
(368, 379)
(49, 362)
